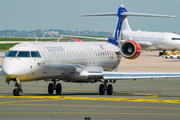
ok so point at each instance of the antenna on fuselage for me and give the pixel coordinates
(36, 39)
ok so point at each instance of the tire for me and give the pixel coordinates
(101, 89)
(110, 89)
(20, 92)
(58, 89)
(50, 88)
(15, 92)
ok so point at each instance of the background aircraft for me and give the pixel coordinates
(152, 40)
(147, 40)
(80, 62)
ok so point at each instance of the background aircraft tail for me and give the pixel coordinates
(121, 17)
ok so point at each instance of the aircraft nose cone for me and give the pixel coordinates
(9, 72)
(10, 69)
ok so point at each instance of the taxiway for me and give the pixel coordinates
(138, 100)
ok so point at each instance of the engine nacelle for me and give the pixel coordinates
(75, 40)
(130, 49)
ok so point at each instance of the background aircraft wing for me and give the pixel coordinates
(132, 75)
(144, 44)
(93, 38)
(1, 71)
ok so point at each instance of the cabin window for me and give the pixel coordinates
(23, 54)
(70, 54)
(64, 54)
(12, 54)
(35, 54)
(175, 38)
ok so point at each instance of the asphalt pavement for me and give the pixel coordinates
(137, 100)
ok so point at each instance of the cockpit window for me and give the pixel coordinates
(175, 38)
(23, 54)
(12, 54)
(35, 54)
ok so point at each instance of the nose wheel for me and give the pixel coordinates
(17, 92)
(53, 86)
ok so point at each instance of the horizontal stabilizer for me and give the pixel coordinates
(129, 14)
(146, 15)
(100, 14)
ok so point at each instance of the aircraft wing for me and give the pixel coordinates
(93, 38)
(144, 44)
(1, 71)
(131, 75)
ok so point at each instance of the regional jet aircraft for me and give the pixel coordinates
(80, 62)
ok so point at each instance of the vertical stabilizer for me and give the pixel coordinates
(116, 38)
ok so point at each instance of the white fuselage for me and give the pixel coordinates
(60, 60)
(153, 40)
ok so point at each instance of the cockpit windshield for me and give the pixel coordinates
(12, 54)
(35, 54)
(23, 54)
(175, 38)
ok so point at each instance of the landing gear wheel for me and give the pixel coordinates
(58, 89)
(110, 89)
(17, 92)
(101, 89)
(50, 88)
(20, 92)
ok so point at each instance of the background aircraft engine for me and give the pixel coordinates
(75, 40)
(130, 49)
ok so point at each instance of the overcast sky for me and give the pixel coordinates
(65, 14)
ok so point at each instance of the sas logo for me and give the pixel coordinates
(40, 64)
(102, 47)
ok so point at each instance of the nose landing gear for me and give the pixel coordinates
(17, 91)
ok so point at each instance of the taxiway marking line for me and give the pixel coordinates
(89, 113)
(99, 106)
(98, 99)
(24, 101)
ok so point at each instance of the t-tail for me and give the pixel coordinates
(121, 15)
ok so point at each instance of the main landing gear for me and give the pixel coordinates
(53, 86)
(161, 53)
(104, 87)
